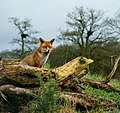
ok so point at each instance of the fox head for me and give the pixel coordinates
(46, 46)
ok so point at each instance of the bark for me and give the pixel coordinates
(73, 67)
(21, 75)
(80, 100)
(11, 89)
(86, 101)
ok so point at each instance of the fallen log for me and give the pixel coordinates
(16, 74)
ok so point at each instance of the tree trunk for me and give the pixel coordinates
(23, 45)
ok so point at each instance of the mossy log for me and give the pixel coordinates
(15, 73)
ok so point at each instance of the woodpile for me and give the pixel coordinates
(17, 79)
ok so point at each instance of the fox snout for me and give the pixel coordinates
(46, 50)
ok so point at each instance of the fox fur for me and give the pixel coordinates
(40, 56)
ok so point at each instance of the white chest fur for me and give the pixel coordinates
(44, 57)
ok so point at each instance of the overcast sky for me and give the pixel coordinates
(47, 16)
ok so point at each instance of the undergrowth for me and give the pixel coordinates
(103, 94)
(47, 100)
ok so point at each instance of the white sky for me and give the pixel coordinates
(47, 16)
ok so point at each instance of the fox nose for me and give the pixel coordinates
(47, 50)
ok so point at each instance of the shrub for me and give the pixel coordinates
(47, 100)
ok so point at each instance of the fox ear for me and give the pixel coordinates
(52, 40)
(41, 40)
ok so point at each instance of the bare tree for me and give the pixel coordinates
(26, 34)
(113, 26)
(85, 27)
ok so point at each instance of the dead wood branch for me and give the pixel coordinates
(99, 84)
(11, 89)
(108, 78)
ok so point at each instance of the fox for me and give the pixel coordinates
(40, 56)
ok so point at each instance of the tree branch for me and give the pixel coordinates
(108, 78)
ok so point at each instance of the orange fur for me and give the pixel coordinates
(40, 56)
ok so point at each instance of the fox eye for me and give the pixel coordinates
(44, 48)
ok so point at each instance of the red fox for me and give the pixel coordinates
(40, 56)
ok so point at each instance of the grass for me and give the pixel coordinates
(103, 94)
(94, 77)
(47, 65)
(115, 83)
